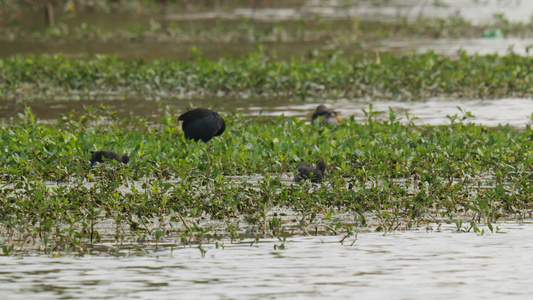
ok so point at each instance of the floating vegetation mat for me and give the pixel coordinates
(381, 175)
(321, 75)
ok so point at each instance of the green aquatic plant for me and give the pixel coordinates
(407, 77)
(385, 175)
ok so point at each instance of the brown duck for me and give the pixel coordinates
(329, 116)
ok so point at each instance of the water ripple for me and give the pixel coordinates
(401, 265)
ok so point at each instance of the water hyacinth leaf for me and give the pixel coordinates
(393, 172)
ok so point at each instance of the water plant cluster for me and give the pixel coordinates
(351, 31)
(386, 76)
(382, 175)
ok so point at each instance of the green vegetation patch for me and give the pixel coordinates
(382, 175)
(407, 77)
(69, 24)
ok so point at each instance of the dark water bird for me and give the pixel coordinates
(99, 156)
(329, 115)
(316, 174)
(202, 124)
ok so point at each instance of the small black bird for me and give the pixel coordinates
(316, 174)
(202, 124)
(98, 156)
(329, 115)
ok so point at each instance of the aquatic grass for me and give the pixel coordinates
(382, 175)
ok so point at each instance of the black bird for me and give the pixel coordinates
(316, 174)
(98, 156)
(329, 115)
(202, 124)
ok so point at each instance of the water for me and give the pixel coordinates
(420, 264)
(450, 47)
(478, 11)
(513, 111)
(338, 13)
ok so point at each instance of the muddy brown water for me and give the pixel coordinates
(437, 264)
(214, 50)
(513, 111)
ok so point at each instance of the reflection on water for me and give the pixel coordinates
(441, 264)
(515, 112)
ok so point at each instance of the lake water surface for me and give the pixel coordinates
(513, 111)
(418, 264)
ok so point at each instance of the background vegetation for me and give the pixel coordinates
(408, 77)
